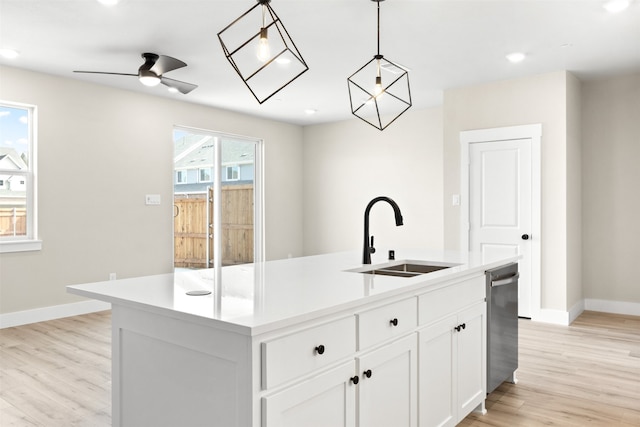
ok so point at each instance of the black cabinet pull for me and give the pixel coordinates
(464, 325)
(394, 322)
(525, 237)
(320, 349)
(367, 373)
(355, 379)
(459, 327)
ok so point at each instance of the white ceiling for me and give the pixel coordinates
(445, 44)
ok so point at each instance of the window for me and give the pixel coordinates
(205, 175)
(233, 173)
(18, 208)
(181, 177)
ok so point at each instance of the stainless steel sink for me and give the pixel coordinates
(403, 268)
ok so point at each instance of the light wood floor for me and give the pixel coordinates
(58, 373)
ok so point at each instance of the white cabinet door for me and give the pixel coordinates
(388, 389)
(438, 374)
(452, 367)
(326, 400)
(471, 359)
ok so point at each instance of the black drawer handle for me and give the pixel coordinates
(355, 379)
(394, 322)
(459, 327)
(320, 349)
(367, 373)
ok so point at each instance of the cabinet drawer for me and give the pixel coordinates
(442, 302)
(389, 321)
(299, 353)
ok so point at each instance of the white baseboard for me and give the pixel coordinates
(576, 311)
(616, 307)
(565, 318)
(43, 314)
(557, 317)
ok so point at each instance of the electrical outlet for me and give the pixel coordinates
(112, 276)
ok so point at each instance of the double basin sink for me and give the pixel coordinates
(403, 268)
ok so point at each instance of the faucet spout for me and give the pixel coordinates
(368, 247)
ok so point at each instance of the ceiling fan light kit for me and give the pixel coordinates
(261, 51)
(151, 72)
(379, 91)
(148, 78)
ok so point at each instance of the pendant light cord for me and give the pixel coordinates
(378, 1)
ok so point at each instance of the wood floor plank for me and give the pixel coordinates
(58, 374)
(583, 374)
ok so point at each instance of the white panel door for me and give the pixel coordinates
(500, 205)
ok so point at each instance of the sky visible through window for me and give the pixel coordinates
(14, 129)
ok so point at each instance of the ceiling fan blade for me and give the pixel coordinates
(164, 64)
(104, 72)
(182, 87)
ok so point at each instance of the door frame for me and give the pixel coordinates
(258, 190)
(531, 132)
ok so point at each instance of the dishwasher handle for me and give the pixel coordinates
(506, 281)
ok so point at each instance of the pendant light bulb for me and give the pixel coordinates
(378, 89)
(264, 52)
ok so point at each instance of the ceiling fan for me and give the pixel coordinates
(151, 72)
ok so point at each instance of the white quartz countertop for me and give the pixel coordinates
(256, 298)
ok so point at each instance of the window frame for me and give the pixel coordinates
(30, 241)
(208, 170)
(184, 174)
(231, 169)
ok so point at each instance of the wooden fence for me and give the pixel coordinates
(13, 221)
(193, 234)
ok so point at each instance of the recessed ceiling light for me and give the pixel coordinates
(173, 90)
(615, 6)
(109, 2)
(9, 53)
(516, 57)
(310, 111)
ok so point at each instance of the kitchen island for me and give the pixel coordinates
(309, 341)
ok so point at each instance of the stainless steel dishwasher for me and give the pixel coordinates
(502, 325)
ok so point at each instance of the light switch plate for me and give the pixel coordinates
(152, 199)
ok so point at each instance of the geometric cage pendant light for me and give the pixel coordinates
(259, 48)
(379, 91)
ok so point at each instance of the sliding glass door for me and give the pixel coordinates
(217, 199)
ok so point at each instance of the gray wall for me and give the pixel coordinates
(99, 224)
(610, 179)
(538, 99)
(349, 163)
(93, 143)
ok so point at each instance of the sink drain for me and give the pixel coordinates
(198, 293)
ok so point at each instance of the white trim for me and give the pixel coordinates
(616, 307)
(534, 133)
(20, 246)
(576, 311)
(556, 317)
(565, 318)
(44, 314)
